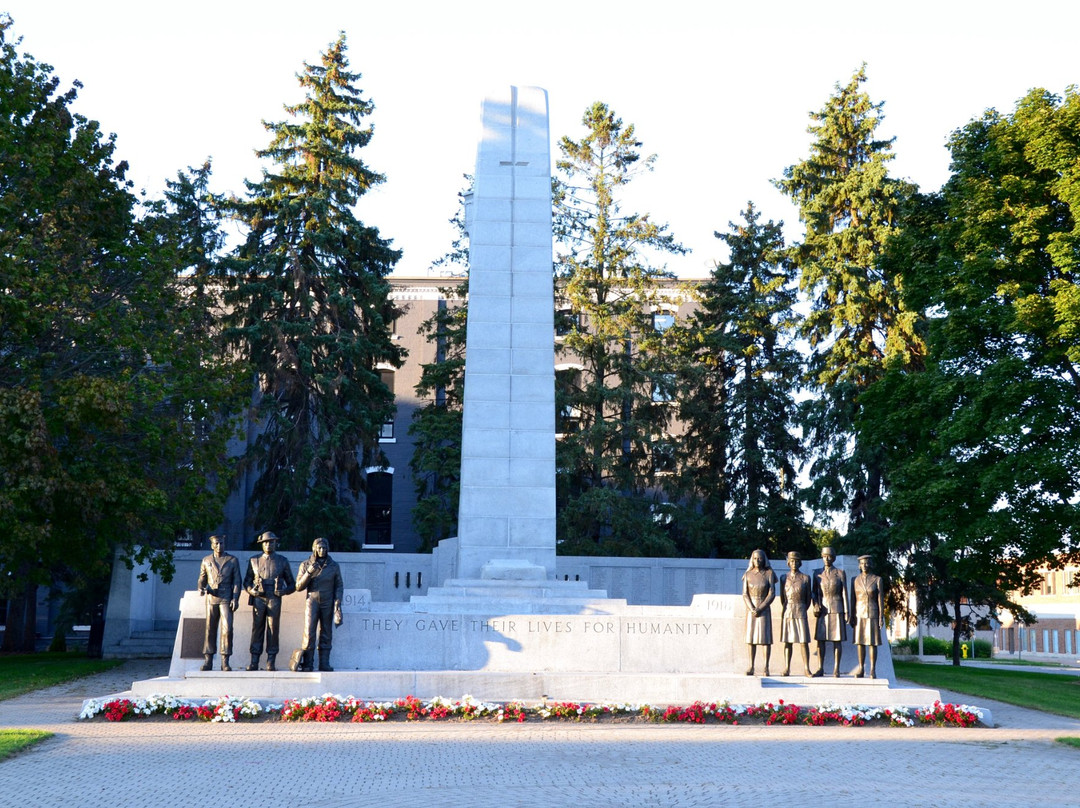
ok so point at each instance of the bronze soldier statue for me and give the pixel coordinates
(219, 583)
(758, 591)
(831, 609)
(869, 600)
(267, 579)
(320, 575)
(795, 628)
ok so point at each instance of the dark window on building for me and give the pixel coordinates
(569, 420)
(387, 432)
(567, 386)
(380, 495)
(663, 457)
(566, 321)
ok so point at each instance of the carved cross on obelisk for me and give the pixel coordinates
(506, 519)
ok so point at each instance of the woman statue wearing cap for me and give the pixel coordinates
(758, 591)
(795, 628)
(830, 592)
(869, 602)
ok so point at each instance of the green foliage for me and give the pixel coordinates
(310, 311)
(436, 427)
(110, 427)
(606, 522)
(849, 206)
(983, 649)
(606, 278)
(984, 444)
(857, 323)
(739, 375)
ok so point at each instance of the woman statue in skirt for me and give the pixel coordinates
(758, 592)
(795, 628)
(869, 603)
(830, 609)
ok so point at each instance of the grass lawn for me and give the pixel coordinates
(1051, 693)
(14, 740)
(22, 673)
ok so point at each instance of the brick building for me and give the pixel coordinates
(384, 516)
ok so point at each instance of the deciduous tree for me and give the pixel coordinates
(985, 444)
(110, 428)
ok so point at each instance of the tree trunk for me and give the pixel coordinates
(95, 643)
(957, 626)
(19, 631)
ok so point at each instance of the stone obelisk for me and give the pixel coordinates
(506, 517)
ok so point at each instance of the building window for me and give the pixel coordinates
(569, 421)
(387, 431)
(663, 457)
(567, 388)
(566, 321)
(663, 320)
(380, 509)
(664, 388)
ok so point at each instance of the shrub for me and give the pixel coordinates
(934, 645)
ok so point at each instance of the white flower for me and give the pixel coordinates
(92, 708)
(967, 708)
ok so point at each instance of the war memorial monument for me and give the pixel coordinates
(498, 624)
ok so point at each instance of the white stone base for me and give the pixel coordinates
(506, 640)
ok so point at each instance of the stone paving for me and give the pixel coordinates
(153, 763)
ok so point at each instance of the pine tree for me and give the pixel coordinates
(606, 278)
(310, 310)
(857, 323)
(436, 427)
(738, 403)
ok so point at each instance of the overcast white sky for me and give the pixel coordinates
(720, 92)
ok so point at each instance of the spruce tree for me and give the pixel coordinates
(607, 278)
(738, 403)
(310, 310)
(436, 426)
(857, 322)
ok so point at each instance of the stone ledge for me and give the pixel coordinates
(597, 687)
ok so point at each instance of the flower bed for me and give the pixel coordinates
(337, 708)
(223, 710)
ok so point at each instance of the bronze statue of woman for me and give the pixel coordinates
(831, 610)
(869, 600)
(795, 627)
(758, 591)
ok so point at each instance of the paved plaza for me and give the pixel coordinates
(163, 764)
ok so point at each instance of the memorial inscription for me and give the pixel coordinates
(533, 625)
